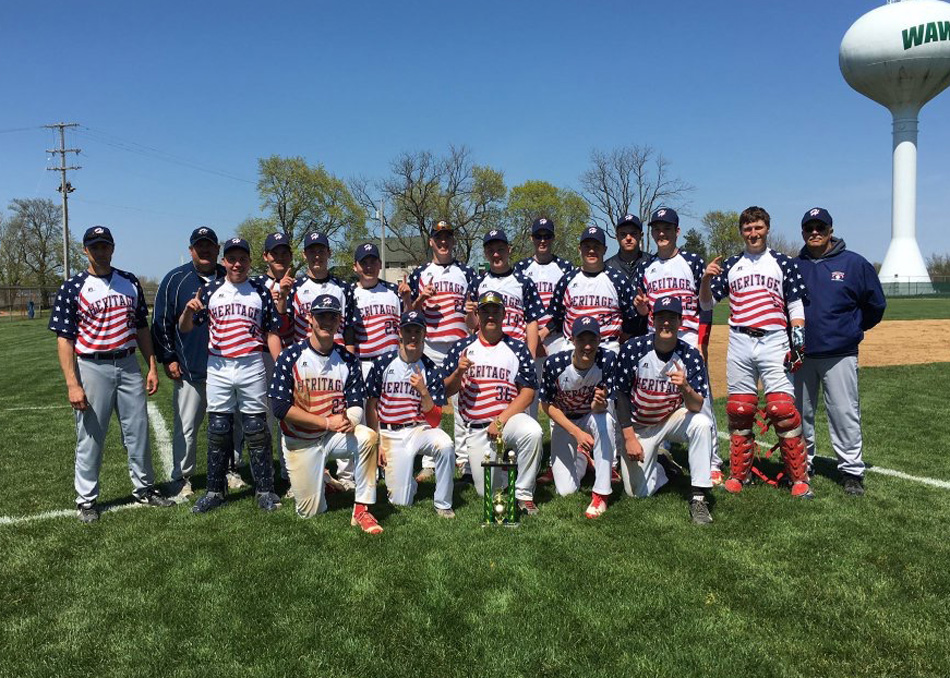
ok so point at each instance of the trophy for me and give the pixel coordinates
(501, 508)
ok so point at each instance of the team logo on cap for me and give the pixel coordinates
(326, 300)
(278, 236)
(493, 233)
(367, 247)
(814, 212)
(628, 217)
(592, 230)
(413, 315)
(666, 301)
(542, 221)
(585, 321)
(235, 241)
(98, 231)
(661, 213)
(202, 231)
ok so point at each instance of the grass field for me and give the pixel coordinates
(837, 586)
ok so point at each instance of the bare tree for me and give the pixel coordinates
(631, 180)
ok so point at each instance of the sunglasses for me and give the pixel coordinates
(815, 228)
(543, 236)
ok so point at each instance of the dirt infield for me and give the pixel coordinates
(886, 344)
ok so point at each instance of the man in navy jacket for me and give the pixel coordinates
(845, 300)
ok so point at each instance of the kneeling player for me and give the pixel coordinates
(661, 387)
(405, 395)
(575, 386)
(317, 393)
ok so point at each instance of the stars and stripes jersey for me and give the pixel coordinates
(319, 384)
(100, 313)
(572, 390)
(238, 315)
(545, 278)
(680, 276)
(454, 284)
(398, 402)
(374, 318)
(761, 288)
(643, 375)
(499, 371)
(522, 301)
(606, 295)
(302, 294)
(287, 327)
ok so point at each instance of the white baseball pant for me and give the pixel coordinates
(237, 384)
(522, 434)
(345, 467)
(569, 466)
(750, 359)
(437, 350)
(401, 447)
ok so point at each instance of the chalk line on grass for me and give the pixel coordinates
(37, 407)
(163, 441)
(14, 520)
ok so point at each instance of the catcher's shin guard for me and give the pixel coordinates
(741, 408)
(258, 439)
(782, 413)
(220, 448)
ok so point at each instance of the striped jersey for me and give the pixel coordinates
(374, 318)
(679, 276)
(316, 383)
(454, 284)
(522, 302)
(399, 402)
(100, 313)
(606, 295)
(287, 326)
(545, 278)
(643, 375)
(498, 372)
(570, 389)
(238, 315)
(302, 294)
(760, 287)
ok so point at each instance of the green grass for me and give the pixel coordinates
(837, 586)
(898, 308)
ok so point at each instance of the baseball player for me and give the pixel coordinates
(317, 393)
(575, 388)
(495, 379)
(765, 293)
(661, 386)
(405, 394)
(629, 230)
(375, 307)
(440, 290)
(677, 272)
(845, 300)
(99, 318)
(243, 322)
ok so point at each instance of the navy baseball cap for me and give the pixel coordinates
(542, 224)
(495, 234)
(275, 240)
(366, 250)
(665, 215)
(236, 244)
(670, 303)
(594, 233)
(203, 233)
(490, 297)
(630, 220)
(315, 238)
(97, 234)
(817, 214)
(325, 303)
(585, 324)
(412, 318)
(441, 227)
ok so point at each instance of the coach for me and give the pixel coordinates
(845, 300)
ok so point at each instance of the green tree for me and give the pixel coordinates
(536, 199)
(722, 234)
(31, 244)
(938, 265)
(694, 242)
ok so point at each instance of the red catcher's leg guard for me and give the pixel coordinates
(781, 411)
(741, 408)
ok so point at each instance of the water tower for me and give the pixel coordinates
(899, 56)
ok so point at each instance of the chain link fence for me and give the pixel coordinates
(939, 286)
(19, 303)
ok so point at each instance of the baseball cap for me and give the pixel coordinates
(630, 220)
(412, 318)
(366, 250)
(236, 244)
(670, 303)
(542, 224)
(325, 303)
(490, 297)
(817, 214)
(315, 238)
(585, 324)
(495, 234)
(441, 227)
(594, 233)
(97, 234)
(203, 233)
(275, 239)
(666, 215)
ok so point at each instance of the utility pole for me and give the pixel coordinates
(64, 186)
(382, 237)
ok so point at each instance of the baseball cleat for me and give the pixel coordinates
(528, 507)
(445, 513)
(88, 514)
(699, 511)
(546, 477)
(268, 501)
(209, 502)
(716, 477)
(853, 485)
(733, 485)
(153, 497)
(235, 481)
(366, 522)
(289, 494)
(802, 490)
(425, 475)
(597, 507)
(670, 467)
(331, 484)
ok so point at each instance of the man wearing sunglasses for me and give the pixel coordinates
(845, 300)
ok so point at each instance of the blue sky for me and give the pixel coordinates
(744, 98)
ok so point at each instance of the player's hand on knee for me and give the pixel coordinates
(337, 423)
(77, 398)
(634, 449)
(494, 429)
(173, 371)
(585, 441)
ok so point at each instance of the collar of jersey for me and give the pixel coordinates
(502, 275)
(485, 343)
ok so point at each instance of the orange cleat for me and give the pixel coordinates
(598, 506)
(366, 522)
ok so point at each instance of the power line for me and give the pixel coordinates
(64, 187)
(20, 129)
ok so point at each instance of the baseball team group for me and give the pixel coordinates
(358, 373)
